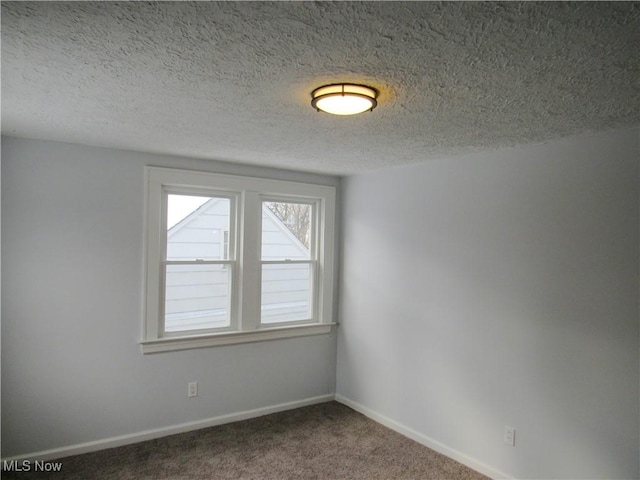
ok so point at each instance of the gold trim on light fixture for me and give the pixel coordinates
(344, 98)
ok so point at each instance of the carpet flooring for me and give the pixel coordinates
(324, 441)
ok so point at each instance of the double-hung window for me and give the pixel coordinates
(233, 259)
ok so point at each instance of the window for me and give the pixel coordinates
(235, 259)
(197, 280)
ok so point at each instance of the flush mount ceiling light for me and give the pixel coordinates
(344, 98)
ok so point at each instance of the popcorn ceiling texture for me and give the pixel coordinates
(232, 81)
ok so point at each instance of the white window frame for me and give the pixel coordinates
(230, 262)
(248, 193)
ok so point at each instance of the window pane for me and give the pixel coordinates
(197, 297)
(286, 292)
(197, 227)
(286, 230)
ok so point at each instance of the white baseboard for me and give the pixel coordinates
(423, 439)
(121, 440)
(128, 439)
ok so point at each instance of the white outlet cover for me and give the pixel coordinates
(510, 436)
(193, 389)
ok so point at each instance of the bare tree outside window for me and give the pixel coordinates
(296, 217)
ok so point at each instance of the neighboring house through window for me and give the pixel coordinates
(235, 259)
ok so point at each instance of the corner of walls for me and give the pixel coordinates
(423, 439)
(500, 289)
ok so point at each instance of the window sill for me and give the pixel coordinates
(232, 338)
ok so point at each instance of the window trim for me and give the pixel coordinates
(250, 192)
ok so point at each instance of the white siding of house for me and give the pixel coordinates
(197, 296)
(278, 243)
(285, 288)
(200, 235)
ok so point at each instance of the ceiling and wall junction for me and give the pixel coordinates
(232, 81)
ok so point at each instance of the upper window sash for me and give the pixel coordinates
(227, 235)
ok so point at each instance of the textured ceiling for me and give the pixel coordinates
(232, 81)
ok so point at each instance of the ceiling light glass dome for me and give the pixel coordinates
(344, 98)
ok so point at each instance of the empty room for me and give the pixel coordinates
(320, 240)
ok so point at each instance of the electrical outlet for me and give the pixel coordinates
(510, 436)
(193, 389)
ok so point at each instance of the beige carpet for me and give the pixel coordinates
(325, 441)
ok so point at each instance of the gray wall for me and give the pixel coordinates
(480, 291)
(500, 289)
(72, 283)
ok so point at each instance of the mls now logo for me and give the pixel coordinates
(28, 466)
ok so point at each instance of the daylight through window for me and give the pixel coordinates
(235, 259)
